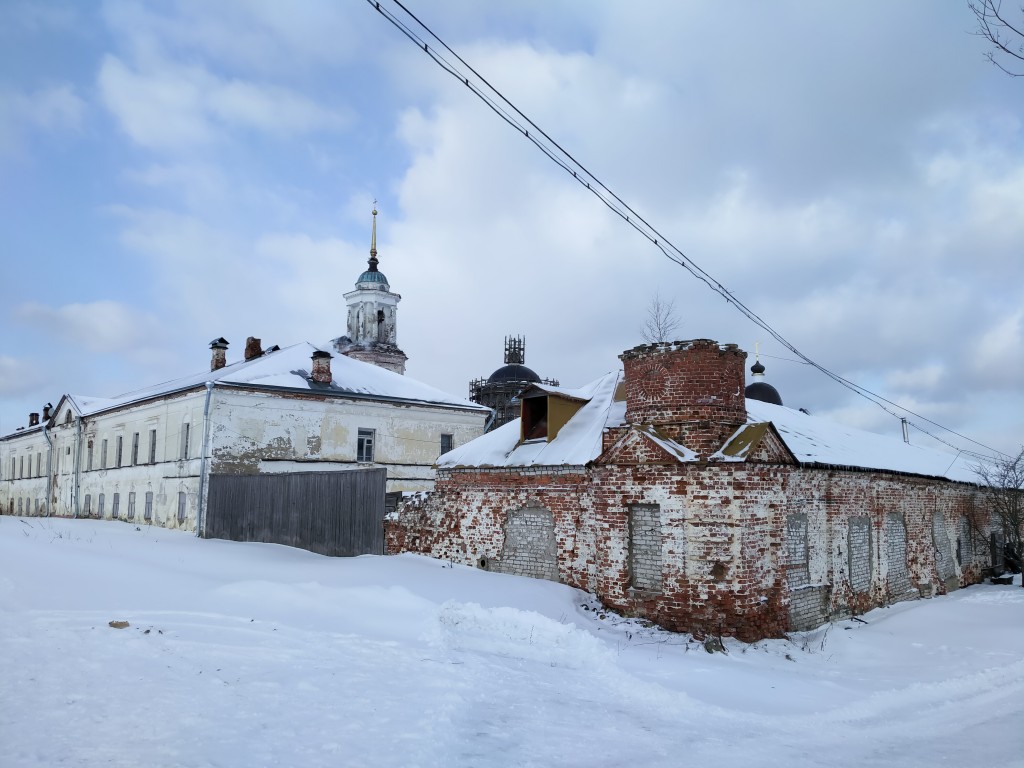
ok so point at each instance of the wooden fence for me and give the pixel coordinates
(333, 513)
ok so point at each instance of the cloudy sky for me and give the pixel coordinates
(177, 171)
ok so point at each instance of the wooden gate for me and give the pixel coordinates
(333, 513)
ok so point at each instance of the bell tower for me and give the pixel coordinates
(372, 327)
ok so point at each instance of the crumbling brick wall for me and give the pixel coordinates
(729, 561)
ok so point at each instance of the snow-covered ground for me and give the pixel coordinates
(258, 655)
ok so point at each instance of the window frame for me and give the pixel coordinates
(365, 439)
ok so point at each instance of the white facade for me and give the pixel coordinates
(147, 456)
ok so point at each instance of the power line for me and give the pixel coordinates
(514, 117)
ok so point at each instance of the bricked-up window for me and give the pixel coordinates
(14, 466)
(859, 553)
(39, 465)
(103, 454)
(964, 548)
(943, 553)
(119, 451)
(100, 504)
(135, 449)
(797, 568)
(131, 505)
(898, 576)
(88, 504)
(447, 443)
(88, 456)
(19, 506)
(152, 446)
(21, 467)
(535, 418)
(184, 440)
(115, 506)
(645, 547)
(181, 506)
(147, 514)
(364, 445)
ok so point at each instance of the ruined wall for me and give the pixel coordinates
(745, 550)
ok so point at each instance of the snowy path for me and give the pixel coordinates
(261, 655)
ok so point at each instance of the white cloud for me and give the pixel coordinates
(53, 109)
(166, 106)
(99, 326)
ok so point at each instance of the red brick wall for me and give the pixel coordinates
(684, 381)
(723, 527)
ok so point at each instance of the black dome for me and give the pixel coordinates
(763, 391)
(513, 372)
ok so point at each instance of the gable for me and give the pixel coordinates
(645, 445)
(756, 443)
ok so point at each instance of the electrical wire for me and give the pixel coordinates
(515, 118)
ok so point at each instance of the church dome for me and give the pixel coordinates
(371, 278)
(763, 391)
(513, 372)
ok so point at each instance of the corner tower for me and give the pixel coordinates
(372, 329)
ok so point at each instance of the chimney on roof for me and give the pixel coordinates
(253, 348)
(33, 419)
(321, 367)
(46, 411)
(220, 353)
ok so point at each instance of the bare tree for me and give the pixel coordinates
(1003, 485)
(1004, 30)
(661, 323)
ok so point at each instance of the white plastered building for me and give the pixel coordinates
(148, 455)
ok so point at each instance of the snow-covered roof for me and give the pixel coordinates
(814, 440)
(286, 369)
(577, 443)
(811, 439)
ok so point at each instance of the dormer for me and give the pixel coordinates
(544, 411)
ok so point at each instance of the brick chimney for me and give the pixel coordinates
(692, 390)
(322, 367)
(46, 411)
(253, 348)
(33, 419)
(219, 358)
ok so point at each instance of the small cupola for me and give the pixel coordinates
(759, 389)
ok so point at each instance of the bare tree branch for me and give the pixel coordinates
(1004, 35)
(1003, 485)
(661, 323)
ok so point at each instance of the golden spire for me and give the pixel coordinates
(373, 241)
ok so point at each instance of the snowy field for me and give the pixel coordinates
(260, 655)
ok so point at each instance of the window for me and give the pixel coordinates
(103, 455)
(447, 443)
(115, 506)
(181, 506)
(135, 449)
(131, 505)
(19, 505)
(21, 467)
(119, 450)
(148, 513)
(88, 457)
(14, 467)
(152, 446)
(184, 440)
(100, 505)
(67, 417)
(39, 465)
(87, 509)
(364, 445)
